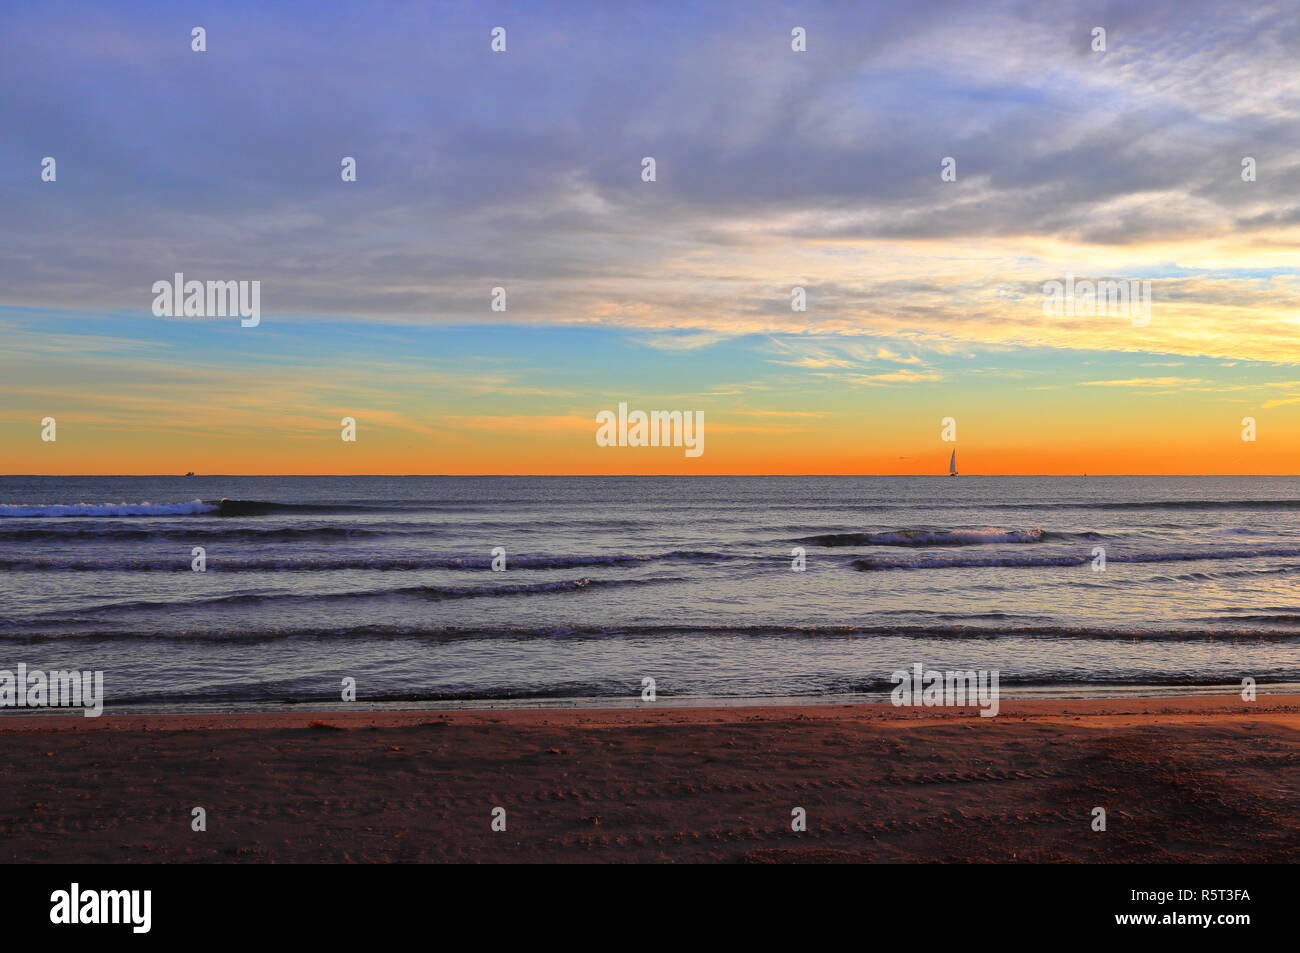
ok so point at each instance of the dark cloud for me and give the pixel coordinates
(523, 167)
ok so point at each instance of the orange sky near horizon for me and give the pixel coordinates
(381, 450)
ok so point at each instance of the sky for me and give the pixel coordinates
(774, 169)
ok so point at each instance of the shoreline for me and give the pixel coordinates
(1177, 706)
(1183, 780)
(1043, 695)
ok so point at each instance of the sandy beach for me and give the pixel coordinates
(1204, 779)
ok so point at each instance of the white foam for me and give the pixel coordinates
(106, 509)
(958, 537)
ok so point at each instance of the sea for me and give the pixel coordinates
(234, 593)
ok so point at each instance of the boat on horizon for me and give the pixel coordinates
(952, 464)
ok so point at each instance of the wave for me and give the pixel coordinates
(955, 631)
(431, 593)
(222, 507)
(227, 507)
(871, 564)
(195, 535)
(359, 561)
(1249, 572)
(22, 510)
(1277, 618)
(1141, 505)
(927, 537)
(1198, 505)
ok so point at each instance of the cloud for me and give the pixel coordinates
(1146, 382)
(776, 169)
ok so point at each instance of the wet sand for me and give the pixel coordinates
(1202, 779)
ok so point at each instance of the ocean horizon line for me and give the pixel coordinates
(633, 476)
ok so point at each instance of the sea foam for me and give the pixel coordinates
(194, 508)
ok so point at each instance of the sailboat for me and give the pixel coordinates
(952, 464)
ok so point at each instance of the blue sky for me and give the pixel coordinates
(775, 169)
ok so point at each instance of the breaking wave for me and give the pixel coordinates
(870, 564)
(928, 537)
(60, 510)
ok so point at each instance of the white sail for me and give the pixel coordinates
(952, 464)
